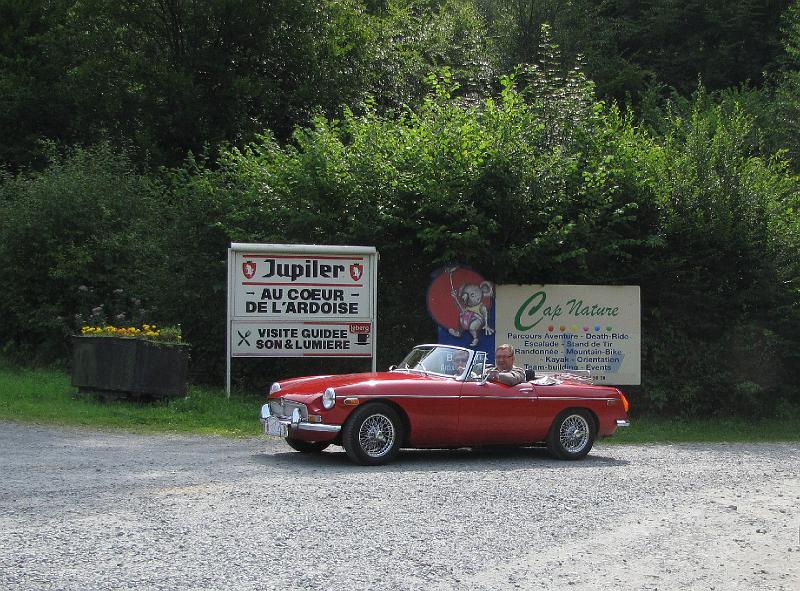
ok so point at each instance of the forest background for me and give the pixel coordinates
(652, 143)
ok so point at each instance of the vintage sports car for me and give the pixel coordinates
(439, 397)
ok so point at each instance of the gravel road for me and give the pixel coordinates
(85, 509)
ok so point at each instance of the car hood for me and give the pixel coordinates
(317, 384)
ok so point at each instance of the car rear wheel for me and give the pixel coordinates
(372, 435)
(307, 447)
(571, 435)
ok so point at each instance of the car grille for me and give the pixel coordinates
(283, 408)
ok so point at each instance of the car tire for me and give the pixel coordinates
(572, 434)
(307, 447)
(372, 434)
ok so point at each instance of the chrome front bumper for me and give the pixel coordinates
(283, 426)
(623, 423)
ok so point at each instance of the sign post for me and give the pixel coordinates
(295, 300)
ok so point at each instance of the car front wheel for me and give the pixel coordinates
(372, 435)
(571, 435)
(307, 447)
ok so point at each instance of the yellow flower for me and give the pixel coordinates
(147, 331)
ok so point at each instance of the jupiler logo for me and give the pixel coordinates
(249, 269)
(356, 271)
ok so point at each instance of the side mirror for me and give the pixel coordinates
(392, 367)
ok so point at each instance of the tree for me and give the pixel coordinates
(34, 103)
(173, 77)
(629, 46)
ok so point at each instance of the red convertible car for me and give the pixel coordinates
(440, 397)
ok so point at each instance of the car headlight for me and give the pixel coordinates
(328, 398)
(276, 387)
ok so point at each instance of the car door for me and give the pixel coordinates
(490, 413)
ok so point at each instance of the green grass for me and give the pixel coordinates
(659, 430)
(45, 396)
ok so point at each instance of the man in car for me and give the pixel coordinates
(460, 359)
(457, 363)
(504, 370)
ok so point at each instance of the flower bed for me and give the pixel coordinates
(150, 332)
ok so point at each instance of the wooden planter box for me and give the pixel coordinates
(126, 368)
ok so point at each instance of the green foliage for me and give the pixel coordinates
(34, 103)
(722, 292)
(629, 47)
(416, 37)
(174, 77)
(790, 30)
(540, 182)
(77, 240)
(777, 105)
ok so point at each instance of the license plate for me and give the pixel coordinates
(272, 426)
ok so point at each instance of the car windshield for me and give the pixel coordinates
(437, 359)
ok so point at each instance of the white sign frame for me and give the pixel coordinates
(314, 301)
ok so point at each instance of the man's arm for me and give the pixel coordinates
(512, 377)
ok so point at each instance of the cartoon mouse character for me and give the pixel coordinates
(472, 313)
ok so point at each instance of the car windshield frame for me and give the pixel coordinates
(440, 360)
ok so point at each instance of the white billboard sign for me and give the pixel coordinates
(301, 286)
(573, 327)
(291, 300)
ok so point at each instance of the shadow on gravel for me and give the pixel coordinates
(454, 460)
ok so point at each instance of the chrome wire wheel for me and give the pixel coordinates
(372, 434)
(574, 433)
(376, 435)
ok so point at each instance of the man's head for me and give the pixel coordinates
(460, 359)
(504, 357)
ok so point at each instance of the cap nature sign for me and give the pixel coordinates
(293, 300)
(596, 328)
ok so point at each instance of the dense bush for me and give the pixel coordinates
(722, 304)
(78, 242)
(541, 184)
